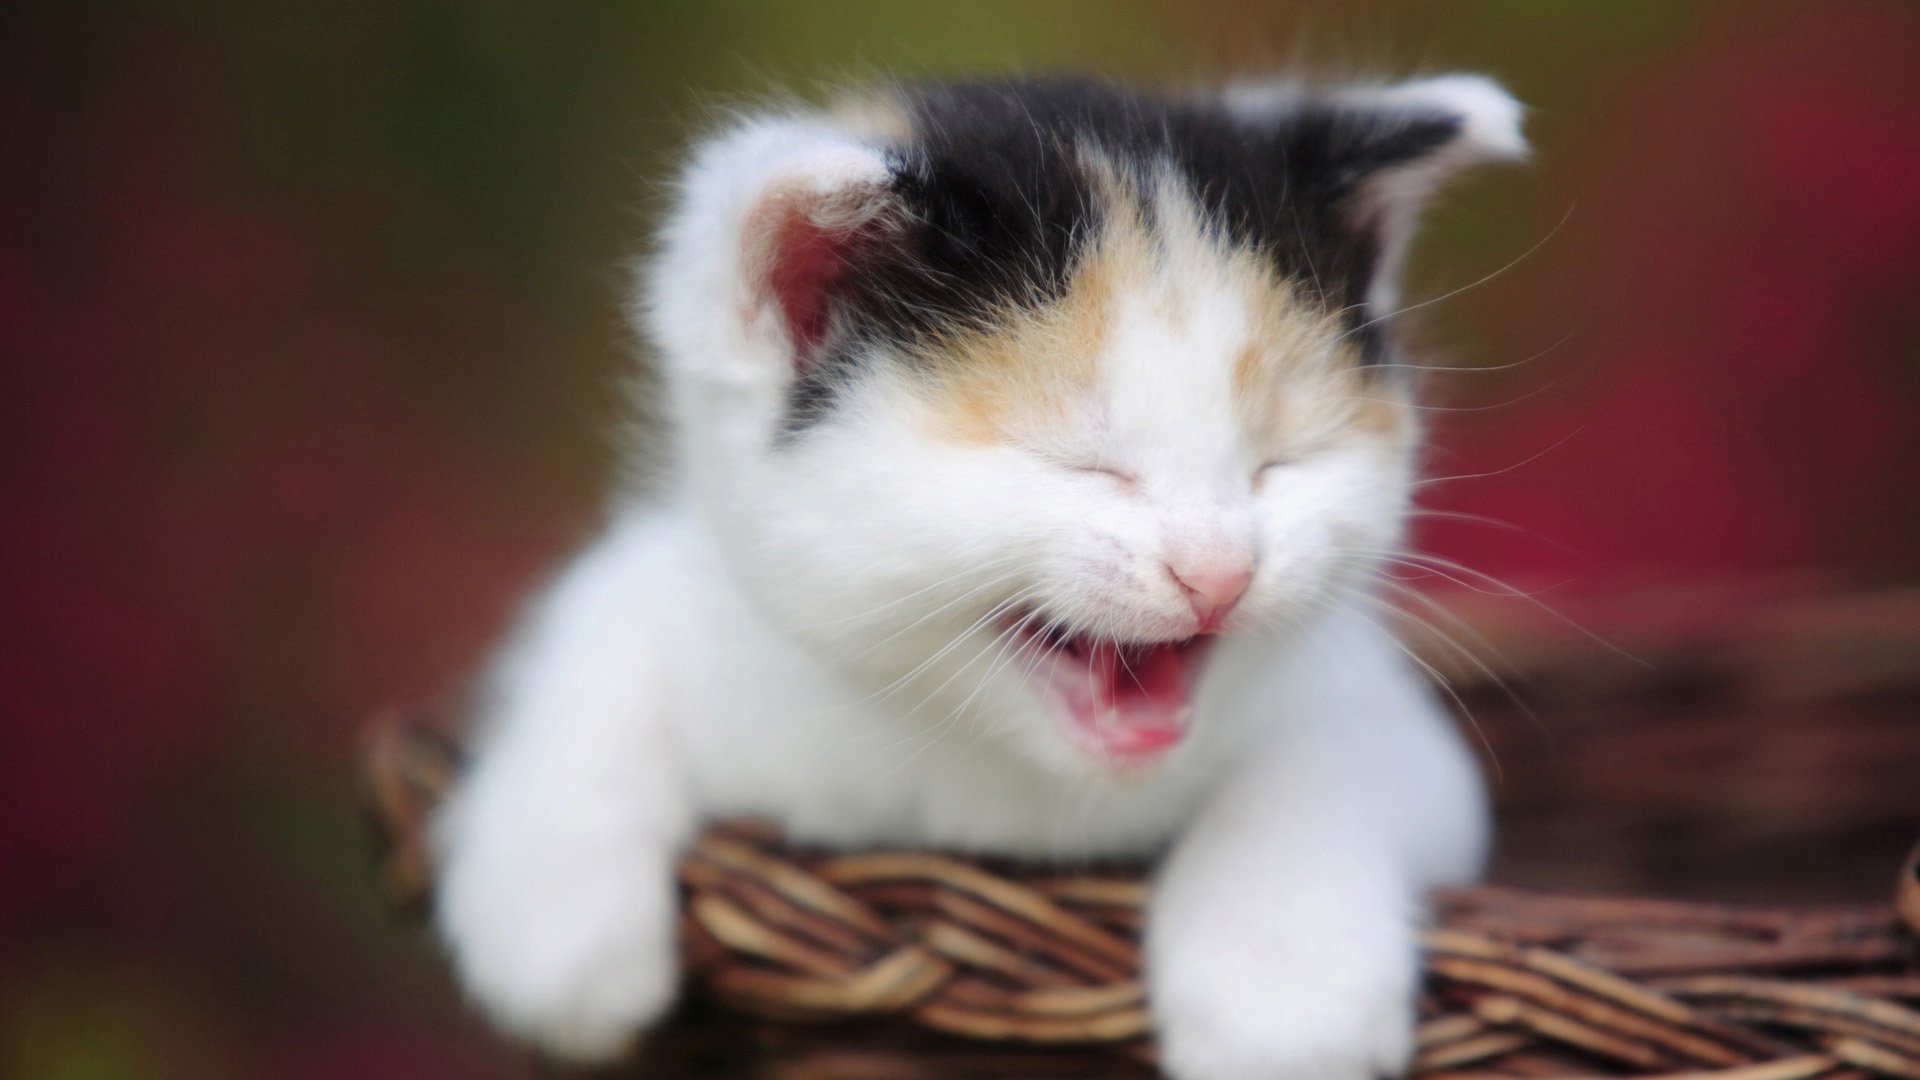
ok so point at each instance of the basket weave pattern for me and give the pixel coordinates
(1038, 973)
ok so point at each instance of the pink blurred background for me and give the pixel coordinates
(308, 335)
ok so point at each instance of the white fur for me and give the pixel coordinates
(790, 635)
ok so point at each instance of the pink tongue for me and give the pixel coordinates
(1140, 698)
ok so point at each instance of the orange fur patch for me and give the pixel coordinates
(1386, 412)
(1027, 372)
(1296, 382)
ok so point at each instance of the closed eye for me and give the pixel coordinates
(1120, 476)
(1086, 466)
(1260, 474)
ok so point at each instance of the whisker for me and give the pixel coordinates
(1439, 566)
(1451, 293)
(1490, 522)
(1471, 369)
(1465, 713)
(1429, 481)
(1453, 643)
(1509, 403)
(983, 587)
(898, 600)
(945, 725)
(996, 611)
(900, 683)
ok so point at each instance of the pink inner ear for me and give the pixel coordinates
(808, 261)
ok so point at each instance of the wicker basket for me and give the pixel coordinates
(918, 964)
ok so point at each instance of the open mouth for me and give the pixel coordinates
(1130, 702)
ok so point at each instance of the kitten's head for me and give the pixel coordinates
(1009, 400)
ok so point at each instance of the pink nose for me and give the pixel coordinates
(1212, 589)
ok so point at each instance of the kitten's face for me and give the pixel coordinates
(1022, 450)
(1048, 524)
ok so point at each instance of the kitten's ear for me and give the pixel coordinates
(1380, 152)
(771, 217)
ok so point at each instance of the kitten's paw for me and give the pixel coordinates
(573, 951)
(1235, 1018)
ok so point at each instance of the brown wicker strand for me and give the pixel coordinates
(935, 965)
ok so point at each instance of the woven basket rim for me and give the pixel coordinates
(943, 950)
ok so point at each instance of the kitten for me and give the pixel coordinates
(1035, 445)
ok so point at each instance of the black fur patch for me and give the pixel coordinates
(1002, 207)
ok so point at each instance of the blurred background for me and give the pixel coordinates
(309, 339)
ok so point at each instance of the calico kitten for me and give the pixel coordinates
(1036, 445)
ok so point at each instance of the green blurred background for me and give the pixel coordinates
(309, 343)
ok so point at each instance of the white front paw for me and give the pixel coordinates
(1246, 1012)
(564, 944)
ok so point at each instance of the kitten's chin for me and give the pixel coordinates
(1125, 705)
